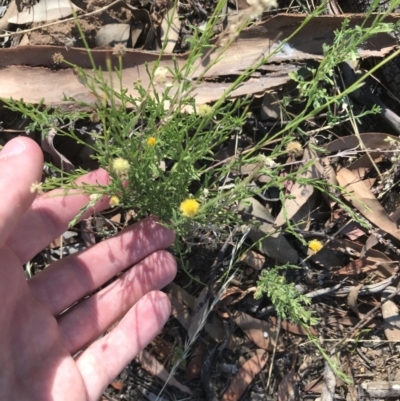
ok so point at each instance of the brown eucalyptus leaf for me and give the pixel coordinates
(180, 293)
(287, 390)
(371, 140)
(259, 331)
(356, 267)
(180, 312)
(246, 374)
(293, 328)
(272, 243)
(370, 243)
(300, 192)
(352, 299)
(361, 197)
(193, 368)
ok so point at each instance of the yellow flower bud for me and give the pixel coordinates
(189, 207)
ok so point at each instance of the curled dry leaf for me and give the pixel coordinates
(301, 192)
(249, 370)
(352, 299)
(361, 197)
(58, 159)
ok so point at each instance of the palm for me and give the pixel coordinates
(43, 324)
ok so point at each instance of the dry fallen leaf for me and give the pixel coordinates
(329, 384)
(151, 365)
(293, 328)
(287, 390)
(391, 317)
(272, 243)
(352, 299)
(171, 26)
(361, 197)
(193, 368)
(46, 10)
(253, 259)
(58, 159)
(356, 267)
(259, 331)
(180, 293)
(371, 140)
(381, 389)
(301, 192)
(249, 370)
(179, 311)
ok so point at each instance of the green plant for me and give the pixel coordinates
(160, 157)
(288, 302)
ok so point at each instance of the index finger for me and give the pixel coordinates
(49, 216)
(21, 163)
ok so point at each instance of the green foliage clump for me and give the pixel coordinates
(288, 301)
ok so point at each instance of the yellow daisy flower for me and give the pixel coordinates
(151, 141)
(114, 201)
(315, 245)
(189, 207)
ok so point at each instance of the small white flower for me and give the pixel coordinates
(160, 75)
(268, 162)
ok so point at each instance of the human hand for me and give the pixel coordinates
(37, 343)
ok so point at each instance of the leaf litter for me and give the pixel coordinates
(356, 264)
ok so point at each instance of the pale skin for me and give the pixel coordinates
(39, 343)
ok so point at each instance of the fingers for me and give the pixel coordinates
(85, 322)
(70, 279)
(101, 362)
(49, 216)
(21, 163)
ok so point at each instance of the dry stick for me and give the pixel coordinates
(365, 320)
(271, 365)
(6, 35)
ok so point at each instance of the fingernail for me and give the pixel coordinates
(12, 148)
